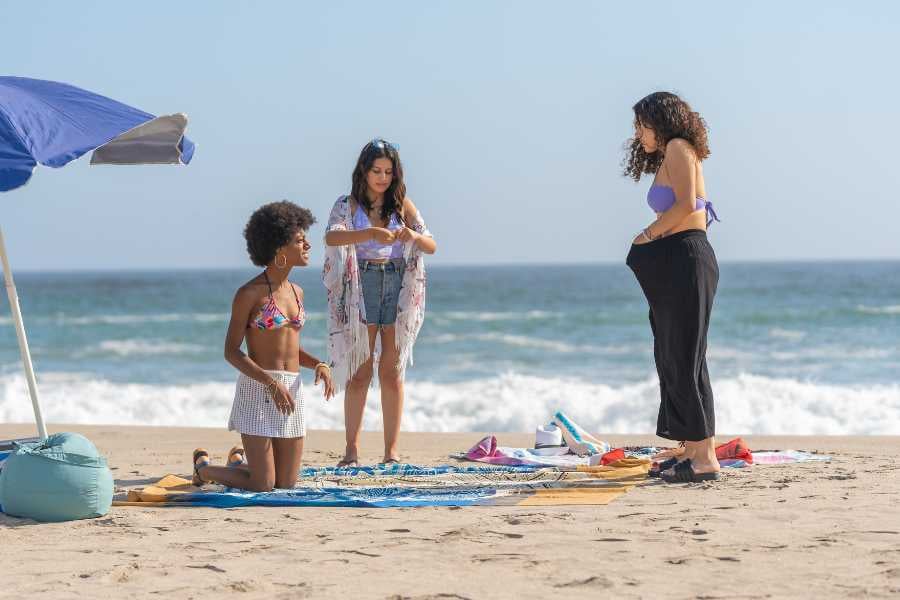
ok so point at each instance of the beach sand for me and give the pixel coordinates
(792, 531)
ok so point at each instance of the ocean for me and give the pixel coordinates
(794, 348)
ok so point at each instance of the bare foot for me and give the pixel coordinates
(676, 452)
(705, 466)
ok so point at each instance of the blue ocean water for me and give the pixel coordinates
(793, 348)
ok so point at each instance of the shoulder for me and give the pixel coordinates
(297, 289)
(341, 204)
(409, 208)
(681, 149)
(248, 293)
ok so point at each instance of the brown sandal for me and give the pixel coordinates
(199, 454)
(236, 457)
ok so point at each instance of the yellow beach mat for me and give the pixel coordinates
(161, 493)
(624, 469)
(627, 472)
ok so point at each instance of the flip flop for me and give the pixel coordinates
(238, 462)
(684, 473)
(391, 461)
(198, 454)
(663, 466)
(348, 464)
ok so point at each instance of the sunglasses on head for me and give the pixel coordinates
(384, 145)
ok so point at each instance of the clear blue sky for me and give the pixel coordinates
(510, 117)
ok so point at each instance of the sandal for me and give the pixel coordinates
(236, 457)
(201, 459)
(348, 463)
(391, 461)
(684, 473)
(663, 466)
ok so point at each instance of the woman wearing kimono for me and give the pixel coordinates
(374, 275)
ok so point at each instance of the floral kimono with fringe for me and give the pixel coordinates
(348, 336)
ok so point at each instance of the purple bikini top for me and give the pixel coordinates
(370, 249)
(662, 197)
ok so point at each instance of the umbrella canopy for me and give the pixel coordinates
(52, 124)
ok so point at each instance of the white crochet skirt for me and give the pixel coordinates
(254, 411)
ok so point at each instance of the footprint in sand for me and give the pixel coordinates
(595, 581)
(514, 536)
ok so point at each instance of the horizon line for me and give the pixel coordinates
(441, 265)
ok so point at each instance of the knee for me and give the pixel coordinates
(389, 373)
(363, 374)
(261, 484)
(286, 483)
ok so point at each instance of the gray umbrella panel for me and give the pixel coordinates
(154, 142)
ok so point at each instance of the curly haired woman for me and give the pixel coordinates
(267, 311)
(677, 270)
(374, 274)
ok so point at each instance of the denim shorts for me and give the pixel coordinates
(381, 284)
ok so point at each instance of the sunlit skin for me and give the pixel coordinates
(378, 180)
(684, 174)
(272, 462)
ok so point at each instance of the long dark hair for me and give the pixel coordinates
(669, 117)
(396, 192)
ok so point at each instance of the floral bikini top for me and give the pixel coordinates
(271, 317)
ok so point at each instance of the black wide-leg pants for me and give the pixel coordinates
(679, 275)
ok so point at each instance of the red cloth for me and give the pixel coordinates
(736, 449)
(612, 456)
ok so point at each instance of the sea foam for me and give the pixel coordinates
(747, 404)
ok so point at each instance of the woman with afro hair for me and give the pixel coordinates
(677, 270)
(268, 313)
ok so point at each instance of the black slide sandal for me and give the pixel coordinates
(684, 473)
(663, 466)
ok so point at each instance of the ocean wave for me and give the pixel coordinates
(892, 309)
(81, 320)
(787, 334)
(746, 404)
(483, 316)
(523, 341)
(62, 319)
(143, 348)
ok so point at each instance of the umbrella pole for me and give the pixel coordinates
(23, 341)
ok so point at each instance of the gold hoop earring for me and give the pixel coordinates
(282, 265)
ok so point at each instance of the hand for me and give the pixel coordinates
(283, 399)
(382, 235)
(323, 374)
(407, 235)
(639, 239)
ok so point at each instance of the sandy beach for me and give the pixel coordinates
(790, 531)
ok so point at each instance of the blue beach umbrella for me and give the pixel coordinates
(51, 124)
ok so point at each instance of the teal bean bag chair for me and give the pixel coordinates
(60, 479)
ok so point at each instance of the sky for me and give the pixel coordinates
(510, 117)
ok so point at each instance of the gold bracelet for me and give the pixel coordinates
(322, 364)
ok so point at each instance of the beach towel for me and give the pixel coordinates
(778, 457)
(487, 450)
(382, 489)
(580, 442)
